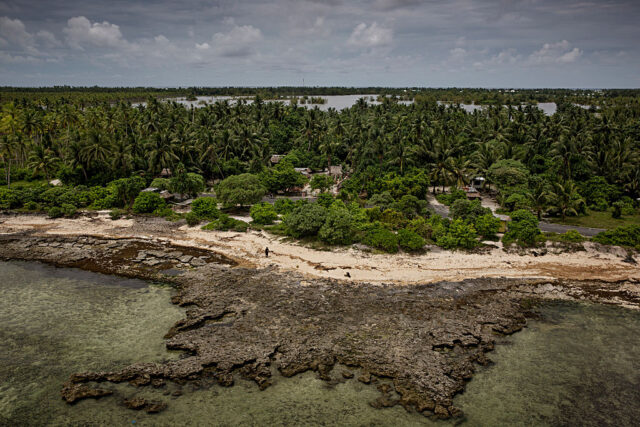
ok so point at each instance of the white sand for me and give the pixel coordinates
(248, 249)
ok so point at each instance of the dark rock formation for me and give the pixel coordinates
(71, 392)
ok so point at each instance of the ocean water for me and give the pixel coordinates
(577, 366)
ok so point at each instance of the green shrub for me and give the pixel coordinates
(382, 200)
(523, 229)
(125, 190)
(622, 236)
(617, 209)
(421, 227)
(205, 208)
(459, 234)
(411, 206)
(322, 182)
(32, 206)
(306, 220)
(572, 236)
(226, 223)
(381, 238)
(147, 202)
(487, 225)
(284, 206)
(410, 240)
(166, 212)
(55, 212)
(68, 209)
(325, 199)
(516, 201)
(186, 183)
(161, 184)
(394, 218)
(192, 219)
(449, 198)
(243, 189)
(468, 210)
(116, 214)
(337, 228)
(263, 213)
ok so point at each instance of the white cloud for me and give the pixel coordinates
(555, 53)
(6, 58)
(14, 31)
(504, 57)
(370, 36)
(240, 41)
(81, 33)
(48, 39)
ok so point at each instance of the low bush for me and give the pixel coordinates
(337, 228)
(147, 202)
(458, 235)
(284, 206)
(381, 238)
(55, 212)
(421, 227)
(68, 209)
(382, 200)
(410, 240)
(523, 229)
(9, 199)
(32, 206)
(205, 208)
(394, 218)
(449, 198)
(226, 223)
(306, 220)
(622, 236)
(487, 225)
(325, 199)
(572, 236)
(161, 184)
(263, 213)
(468, 210)
(117, 213)
(192, 219)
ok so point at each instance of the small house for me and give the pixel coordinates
(335, 171)
(275, 159)
(504, 220)
(166, 173)
(304, 171)
(472, 193)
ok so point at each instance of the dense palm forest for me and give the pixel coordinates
(564, 164)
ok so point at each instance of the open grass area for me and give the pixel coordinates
(596, 219)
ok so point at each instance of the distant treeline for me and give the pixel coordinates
(95, 95)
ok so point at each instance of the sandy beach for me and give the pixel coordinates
(594, 262)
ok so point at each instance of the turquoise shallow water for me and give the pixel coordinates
(579, 366)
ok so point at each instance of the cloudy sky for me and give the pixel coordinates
(472, 43)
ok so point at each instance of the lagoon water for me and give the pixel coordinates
(337, 102)
(578, 366)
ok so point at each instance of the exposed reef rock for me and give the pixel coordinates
(418, 344)
(71, 392)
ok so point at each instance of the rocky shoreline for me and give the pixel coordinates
(419, 344)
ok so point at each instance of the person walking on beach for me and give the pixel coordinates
(266, 252)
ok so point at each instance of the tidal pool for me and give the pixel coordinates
(577, 366)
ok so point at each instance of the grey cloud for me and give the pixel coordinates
(457, 42)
